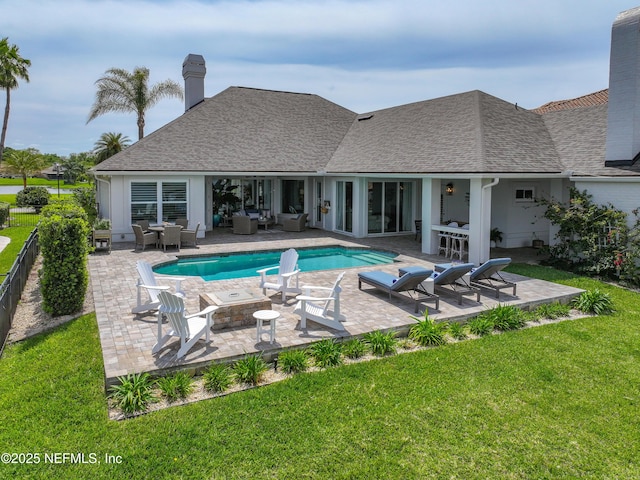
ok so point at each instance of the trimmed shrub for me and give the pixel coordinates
(36, 197)
(64, 277)
(4, 212)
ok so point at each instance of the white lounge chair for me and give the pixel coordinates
(189, 328)
(286, 271)
(147, 281)
(317, 308)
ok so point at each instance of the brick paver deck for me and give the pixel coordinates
(127, 339)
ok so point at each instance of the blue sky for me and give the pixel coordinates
(363, 55)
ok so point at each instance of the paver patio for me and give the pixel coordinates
(127, 339)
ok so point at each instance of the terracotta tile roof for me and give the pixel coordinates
(596, 98)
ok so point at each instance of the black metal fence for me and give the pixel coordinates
(13, 284)
(22, 217)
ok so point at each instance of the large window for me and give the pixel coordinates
(158, 201)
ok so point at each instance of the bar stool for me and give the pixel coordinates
(263, 316)
(458, 242)
(444, 243)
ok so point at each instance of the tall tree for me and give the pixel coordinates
(123, 91)
(109, 144)
(24, 162)
(12, 68)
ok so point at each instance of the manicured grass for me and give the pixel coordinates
(39, 182)
(18, 236)
(559, 400)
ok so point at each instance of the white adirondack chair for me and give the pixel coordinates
(148, 282)
(189, 328)
(317, 308)
(286, 272)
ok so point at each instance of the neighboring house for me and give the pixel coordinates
(469, 157)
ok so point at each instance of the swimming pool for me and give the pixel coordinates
(246, 264)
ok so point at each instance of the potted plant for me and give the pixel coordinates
(223, 196)
(537, 242)
(102, 233)
(495, 236)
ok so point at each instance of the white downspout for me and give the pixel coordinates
(108, 191)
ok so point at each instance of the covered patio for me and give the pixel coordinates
(127, 339)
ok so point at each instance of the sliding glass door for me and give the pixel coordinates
(344, 206)
(389, 207)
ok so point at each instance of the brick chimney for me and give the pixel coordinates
(193, 72)
(623, 114)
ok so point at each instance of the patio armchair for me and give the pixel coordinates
(143, 239)
(183, 222)
(316, 308)
(144, 224)
(286, 271)
(189, 236)
(170, 236)
(189, 328)
(488, 276)
(244, 225)
(296, 224)
(407, 286)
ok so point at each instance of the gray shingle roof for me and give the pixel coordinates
(466, 133)
(242, 130)
(580, 135)
(245, 130)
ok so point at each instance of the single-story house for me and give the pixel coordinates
(470, 158)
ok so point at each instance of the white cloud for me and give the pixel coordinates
(363, 55)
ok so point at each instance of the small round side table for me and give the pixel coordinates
(263, 316)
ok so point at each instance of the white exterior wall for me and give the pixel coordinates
(121, 203)
(518, 221)
(624, 194)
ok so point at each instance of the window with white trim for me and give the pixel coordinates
(525, 194)
(158, 201)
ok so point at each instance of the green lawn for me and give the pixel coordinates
(556, 401)
(39, 182)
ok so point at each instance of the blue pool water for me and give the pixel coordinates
(240, 265)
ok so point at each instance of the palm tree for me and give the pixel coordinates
(12, 68)
(109, 144)
(24, 163)
(122, 91)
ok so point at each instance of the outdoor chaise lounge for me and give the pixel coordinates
(406, 286)
(488, 276)
(451, 279)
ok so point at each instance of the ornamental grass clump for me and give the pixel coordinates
(217, 378)
(173, 387)
(134, 393)
(505, 317)
(354, 348)
(326, 353)
(427, 332)
(293, 361)
(250, 369)
(381, 343)
(595, 302)
(457, 331)
(480, 325)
